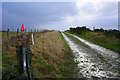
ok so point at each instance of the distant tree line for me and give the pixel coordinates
(83, 29)
(109, 32)
(79, 30)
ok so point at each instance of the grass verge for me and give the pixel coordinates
(51, 56)
(101, 39)
(55, 58)
(4, 34)
(73, 38)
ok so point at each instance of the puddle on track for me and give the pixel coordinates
(95, 61)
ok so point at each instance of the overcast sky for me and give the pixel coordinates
(59, 15)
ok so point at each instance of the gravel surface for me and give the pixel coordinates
(95, 62)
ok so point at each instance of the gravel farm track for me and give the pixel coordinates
(95, 62)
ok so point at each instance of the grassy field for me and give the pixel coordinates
(4, 34)
(51, 56)
(102, 40)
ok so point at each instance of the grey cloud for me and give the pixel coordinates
(51, 14)
(106, 23)
(34, 9)
(36, 13)
(108, 9)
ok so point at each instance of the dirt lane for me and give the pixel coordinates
(95, 61)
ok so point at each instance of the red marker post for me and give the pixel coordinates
(22, 29)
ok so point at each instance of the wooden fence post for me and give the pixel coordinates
(22, 43)
(17, 31)
(37, 30)
(8, 33)
(25, 30)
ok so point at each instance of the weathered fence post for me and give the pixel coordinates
(25, 30)
(23, 52)
(37, 30)
(8, 33)
(19, 58)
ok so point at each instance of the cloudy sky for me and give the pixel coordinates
(59, 15)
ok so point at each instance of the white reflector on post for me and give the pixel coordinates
(32, 39)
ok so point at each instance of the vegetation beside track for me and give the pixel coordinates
(107, 38)
(51, 57)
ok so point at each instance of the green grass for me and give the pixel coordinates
(9, 59)
(75, 39)
(4, 34)
(65, 42)
(100, 39)
(72, 37)
(52, 56)
(70, 66)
